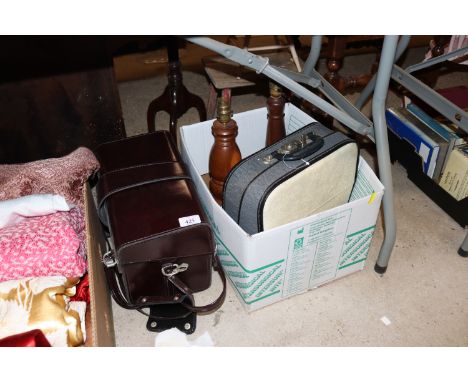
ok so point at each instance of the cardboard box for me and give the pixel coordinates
(99, 320)
(279, 263)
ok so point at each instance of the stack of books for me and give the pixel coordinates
(440, 144)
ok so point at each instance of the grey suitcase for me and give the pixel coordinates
(311, 170)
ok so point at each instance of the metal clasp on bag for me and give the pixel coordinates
(108, 259)
(172, 269)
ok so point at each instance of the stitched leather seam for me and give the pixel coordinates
(136, 185)
(168, 232)
(164, 133)
(139, 166)
(167, 259)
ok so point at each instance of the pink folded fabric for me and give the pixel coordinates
(44, 246)
(62, 176)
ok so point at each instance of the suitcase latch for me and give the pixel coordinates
(172, 269)
(289, 147)
(108, 259)
(267, 159)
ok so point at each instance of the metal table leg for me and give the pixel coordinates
(383, 154)
(357, 122)
(314, 55)
(463, 250)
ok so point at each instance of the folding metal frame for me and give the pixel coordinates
(350, 115)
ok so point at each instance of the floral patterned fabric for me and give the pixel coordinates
(62, 176)
(47, 245)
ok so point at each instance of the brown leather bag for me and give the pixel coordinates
(163, 248)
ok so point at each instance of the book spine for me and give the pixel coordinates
(444, 131)
(427, 131)
(424, 146)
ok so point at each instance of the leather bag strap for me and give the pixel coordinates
(100, 208)
(210, 308)
(114, 280)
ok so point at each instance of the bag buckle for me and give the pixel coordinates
(108, 260)
(172, 269)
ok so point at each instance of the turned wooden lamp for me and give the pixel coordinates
(275, 106)
(225, 153)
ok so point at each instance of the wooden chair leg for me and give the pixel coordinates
(429, 76)
(292, 50)
(226, 94)
(212, 98)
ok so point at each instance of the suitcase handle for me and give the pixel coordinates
(305, 151)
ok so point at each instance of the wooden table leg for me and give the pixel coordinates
(176, 100)
(335, 54)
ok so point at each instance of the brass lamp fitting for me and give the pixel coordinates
(275, 90)
(224, 111)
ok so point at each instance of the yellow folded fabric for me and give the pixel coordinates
(41, 303)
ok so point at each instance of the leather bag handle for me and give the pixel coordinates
(210, 308)
(115, 283)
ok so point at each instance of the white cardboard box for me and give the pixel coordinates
(279, 263)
